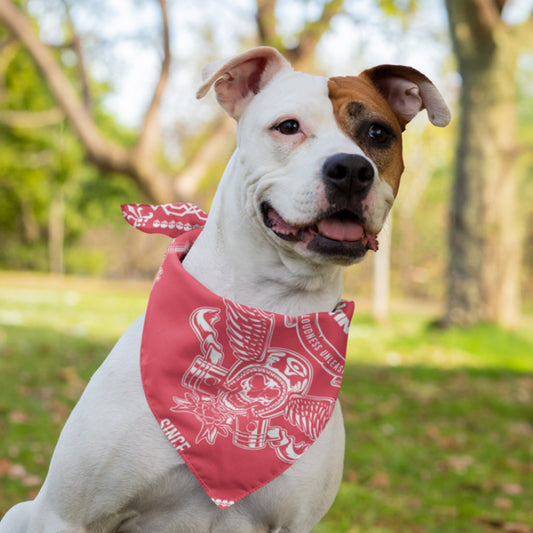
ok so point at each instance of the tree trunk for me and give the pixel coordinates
(484, 265)
(56, 233)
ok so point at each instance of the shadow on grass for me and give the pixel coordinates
(42, 374)
(435, 450)
(427, 449)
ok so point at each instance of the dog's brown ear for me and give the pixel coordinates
(408, 91)
(238, 79)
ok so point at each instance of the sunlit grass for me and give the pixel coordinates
(413, 339)
(81, 307)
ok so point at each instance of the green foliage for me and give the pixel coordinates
(438, 423)
(401, 9)
(38, 165)
(395, 7)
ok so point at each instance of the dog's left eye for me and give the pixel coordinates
(379, 134)
(288, 127)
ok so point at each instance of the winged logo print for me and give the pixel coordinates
(309, 415)
(249, 332)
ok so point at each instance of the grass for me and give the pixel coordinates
(435, 450)
(438, 423)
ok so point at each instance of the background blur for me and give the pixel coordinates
(98, 108)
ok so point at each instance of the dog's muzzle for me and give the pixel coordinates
(340, 234)
(340, 231)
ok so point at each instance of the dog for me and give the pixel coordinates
(315, 173)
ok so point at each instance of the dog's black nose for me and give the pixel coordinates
(348, 173)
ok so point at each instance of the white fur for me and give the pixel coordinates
(113, 470)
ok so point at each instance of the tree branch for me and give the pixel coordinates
(473, 26)
(313, 31)
(524, 33)
(31, 119)
(489, 13)
(59, 86)
(150, 132)
(267, 22)
(104, 153)
(76, 46)
(198, 165)
(303, 53)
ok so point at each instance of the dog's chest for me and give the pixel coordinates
(292, 503)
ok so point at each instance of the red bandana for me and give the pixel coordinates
(239, 392)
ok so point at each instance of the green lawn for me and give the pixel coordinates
(438, 423)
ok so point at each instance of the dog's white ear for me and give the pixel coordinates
(239, 78)
(408, 91)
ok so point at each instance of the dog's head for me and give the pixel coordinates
(321, 159)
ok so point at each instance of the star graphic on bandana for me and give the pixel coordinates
(208, 411)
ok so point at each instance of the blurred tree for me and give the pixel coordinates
(485, 236)
(140, 162)
(302, 54)
(47, 190)
(43, 111)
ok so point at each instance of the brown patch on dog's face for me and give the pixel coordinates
(366, 117)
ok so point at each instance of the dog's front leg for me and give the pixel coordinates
(17, 518)
(25, 518)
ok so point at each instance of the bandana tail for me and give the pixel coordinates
(169, 219)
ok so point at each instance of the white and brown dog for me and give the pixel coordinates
(315, 173)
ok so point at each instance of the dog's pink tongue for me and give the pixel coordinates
(338, 230)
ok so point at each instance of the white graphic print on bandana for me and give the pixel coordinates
(239, 393)
(169, 219)
(263, 383)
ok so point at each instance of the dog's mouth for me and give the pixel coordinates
(339, 233)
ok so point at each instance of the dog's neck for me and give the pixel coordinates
(233, 258)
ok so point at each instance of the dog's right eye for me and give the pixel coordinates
(379, 134)
(288, 127)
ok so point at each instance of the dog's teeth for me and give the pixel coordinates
(308, 234)
(372, 243)
(279, 225)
